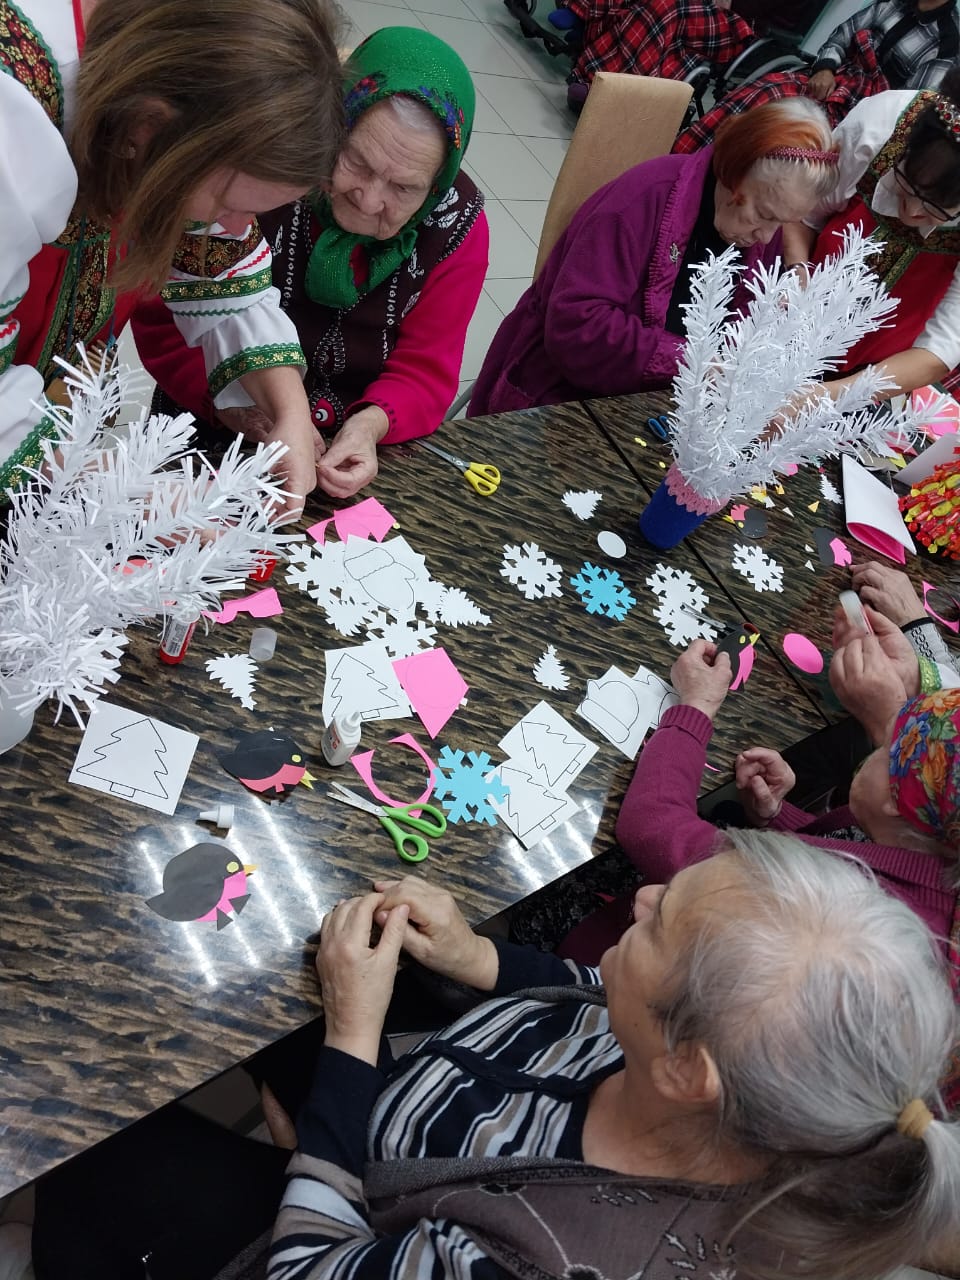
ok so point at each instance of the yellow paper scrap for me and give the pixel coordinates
(814, 505)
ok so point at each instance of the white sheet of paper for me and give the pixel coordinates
(942, 450)
(361, 678)
(623, 707)
(548, 746)
(531, 810)
(127, 754)
(872, 514)
(387, 574)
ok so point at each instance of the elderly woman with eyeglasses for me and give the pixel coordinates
(898, 179)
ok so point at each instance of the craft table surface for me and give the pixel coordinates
(110, 1011)
(809, 596)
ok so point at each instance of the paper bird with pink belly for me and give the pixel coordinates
(266, 761)
(207, 882)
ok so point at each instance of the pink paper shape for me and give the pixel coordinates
(739, 512)
(747, 656)
(803, 653)
(946, 421)
(318, 531)
(259, 604)
(434, 686)
(952, 626)
(366, 519)
(841, 552)
(363, 763)
(791, 469)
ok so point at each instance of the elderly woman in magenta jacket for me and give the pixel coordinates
(605, 315)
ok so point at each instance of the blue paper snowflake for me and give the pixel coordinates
(603, 591)
(463, 788)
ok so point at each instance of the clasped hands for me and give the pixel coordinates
(357, 974)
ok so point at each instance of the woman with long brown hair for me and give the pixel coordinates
(139, 143)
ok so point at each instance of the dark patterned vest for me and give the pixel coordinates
(347, 349)
(901, 244)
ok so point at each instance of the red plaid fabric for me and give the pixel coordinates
(665, 38)
(859, 77)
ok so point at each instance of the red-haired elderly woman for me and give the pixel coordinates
(605, 315)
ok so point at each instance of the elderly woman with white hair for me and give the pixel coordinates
(746, 1087)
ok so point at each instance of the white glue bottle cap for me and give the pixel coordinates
(220, 815)
(341, 738)
(263, 644)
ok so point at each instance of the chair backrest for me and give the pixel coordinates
(625, 120)
(833, 14)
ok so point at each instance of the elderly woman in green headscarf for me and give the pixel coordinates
(380, 273)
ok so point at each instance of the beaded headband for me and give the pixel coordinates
(948, 115)
(808, 153)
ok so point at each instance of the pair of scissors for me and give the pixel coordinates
(660, 426)
(410, 846)
(483, 477)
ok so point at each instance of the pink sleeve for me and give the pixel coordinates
(790, 818)
(658, 828)
(420, 378)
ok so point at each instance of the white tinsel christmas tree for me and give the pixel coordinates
(549, 671)
(737, 376)
(101, 538)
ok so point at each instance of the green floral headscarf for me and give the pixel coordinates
(421, 66)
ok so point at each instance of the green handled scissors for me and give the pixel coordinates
(483, 477)
(410, 846)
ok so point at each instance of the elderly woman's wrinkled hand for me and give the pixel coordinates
(887, 590)
(350, 461)
(357, 978)
(701, 677)
(869, 685)
(437, 936)
(892, 641)
(763, 779)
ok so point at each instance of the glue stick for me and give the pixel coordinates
(341, 738)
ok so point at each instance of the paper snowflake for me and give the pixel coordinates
(531, 570)
(549, 671)
(236, 672)
(582, 504)
(829, 489)
(758, 568)
(603, 591)
(681, 599)
(464, 789)
(402, 634)
(344, 614)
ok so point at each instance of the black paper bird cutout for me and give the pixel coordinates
(205, 882)
(266, 761)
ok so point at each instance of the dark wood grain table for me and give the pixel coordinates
(809, 595)
(110, 1011)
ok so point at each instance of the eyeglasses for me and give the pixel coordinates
(935, 211)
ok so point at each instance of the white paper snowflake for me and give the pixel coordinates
(346, 615)
(402, 634)
(582, 504)
(680, 600)
(236, 672)
(430, 598)
(531, 570)
(549, 671)
(829, 489)
(758, 568)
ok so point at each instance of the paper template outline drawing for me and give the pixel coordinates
(118, 786)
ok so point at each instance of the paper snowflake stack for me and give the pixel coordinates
(747, 392)
(100, 538)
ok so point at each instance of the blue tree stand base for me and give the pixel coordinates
(665, 521)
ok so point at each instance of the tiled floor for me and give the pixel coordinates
(519, 139)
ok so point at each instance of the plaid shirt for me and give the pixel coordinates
(666, 38)
(914, 50)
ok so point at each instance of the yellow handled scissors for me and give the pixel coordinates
(483, 477)
(410, 846)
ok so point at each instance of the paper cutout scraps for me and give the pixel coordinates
(873, 513)
(267, 762)
(582, 504)
(547, 747)
(738, 644)
(531, 570)
(947, 420)
(762, 572)
(829, 490)
(814, 506)
(841, 552)
(803, 653)
(127, 754)
(549, 671)
(434, 686)
(362, 679)
(456, 609)
(468, 787)
(623, 707)
(530, 810)
(750, 520)
(236, 672)
(942, 606)
(611, 544)
(682, 602)
(402, 634)
(362, 761)
(260, 604)
(366, 519)
(206, 882)
(603, 591)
